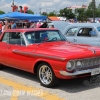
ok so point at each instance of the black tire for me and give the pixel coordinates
(1, 67)
(46, 74)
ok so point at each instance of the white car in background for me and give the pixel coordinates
(61, 25)
(83, 33)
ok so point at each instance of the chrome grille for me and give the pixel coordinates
(88, 63)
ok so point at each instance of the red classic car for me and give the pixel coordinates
(46, 52)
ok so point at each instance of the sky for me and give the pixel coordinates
(43, 5)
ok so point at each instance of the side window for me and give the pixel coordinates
(5, 38)
(72, 31)
(16, 38)
(93, 33)
(53, 36)
(87, 32)
(30, 37)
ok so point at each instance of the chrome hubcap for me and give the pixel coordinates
(45, 74)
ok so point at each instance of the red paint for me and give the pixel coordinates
(47, 51)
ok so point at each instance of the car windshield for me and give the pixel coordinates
(44, 36)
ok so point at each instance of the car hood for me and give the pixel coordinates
(67, 49)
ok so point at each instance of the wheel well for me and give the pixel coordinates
(37, 65)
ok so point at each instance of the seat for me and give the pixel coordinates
(44, 37)
(15, 41)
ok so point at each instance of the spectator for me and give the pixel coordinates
(8, 25)
(3, 26)
(98, 21)
(13, 26)
(38, 24)
(25, 25)
(52, 26)
(0, 27)
(32, 25)
(44, 25)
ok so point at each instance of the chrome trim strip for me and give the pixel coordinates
(64, 73)
(31, 54)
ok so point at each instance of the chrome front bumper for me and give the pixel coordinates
(64, 73)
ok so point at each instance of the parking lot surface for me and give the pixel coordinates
(19, 85)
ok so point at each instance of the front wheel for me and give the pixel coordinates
(46, 75)
(1, 66)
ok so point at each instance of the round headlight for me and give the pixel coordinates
(70, 65)
(79, 64)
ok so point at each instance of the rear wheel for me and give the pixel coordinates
(46, 75)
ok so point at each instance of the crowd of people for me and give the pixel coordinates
(7, 25)
(40, 24)
(88, 21)
(17, 25)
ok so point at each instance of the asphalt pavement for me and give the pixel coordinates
(20, 85)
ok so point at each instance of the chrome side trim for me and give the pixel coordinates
(64, 73)
(31, 54)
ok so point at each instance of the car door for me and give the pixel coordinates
(13, 59)
(84, 36)
(3, 47)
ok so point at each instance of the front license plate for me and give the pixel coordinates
(95, 71)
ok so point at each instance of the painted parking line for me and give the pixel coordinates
(30, 90)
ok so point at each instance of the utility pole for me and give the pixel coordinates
(93, 1)
(13, 6)
(13, 3)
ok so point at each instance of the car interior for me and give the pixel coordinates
(85, 32)
(15, 38)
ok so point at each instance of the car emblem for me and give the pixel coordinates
(93, 51)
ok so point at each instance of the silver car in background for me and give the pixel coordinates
(61, 25)
(83, 33)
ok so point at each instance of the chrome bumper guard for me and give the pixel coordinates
(75, 73)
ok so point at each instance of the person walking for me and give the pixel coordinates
(3, 26)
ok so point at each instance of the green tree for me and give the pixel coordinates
(2, 12)
(80, 12)
(52, 13)
(90, 5)
(44, 13)
(30, 12)
(67, 13)
(89, 13)
(98, 11)
(98, 7)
